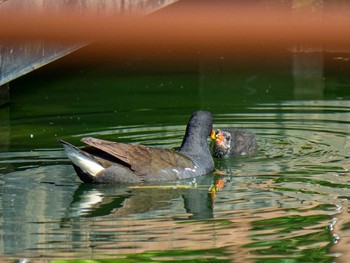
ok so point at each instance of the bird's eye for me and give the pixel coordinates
(228, 138)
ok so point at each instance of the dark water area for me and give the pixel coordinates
(286, 203)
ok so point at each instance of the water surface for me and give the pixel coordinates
(288, 202)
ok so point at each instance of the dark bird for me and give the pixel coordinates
(234, 142)
(112, 162)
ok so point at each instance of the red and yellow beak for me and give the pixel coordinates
(216, 136)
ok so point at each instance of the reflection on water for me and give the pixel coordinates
(289, 201)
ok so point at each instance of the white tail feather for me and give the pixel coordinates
(85, 163)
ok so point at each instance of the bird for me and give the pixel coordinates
(111, 162)
(233, 142)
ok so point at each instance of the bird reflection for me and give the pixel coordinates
(217, 184)
(91, 200)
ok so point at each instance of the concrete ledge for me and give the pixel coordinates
(19, 58)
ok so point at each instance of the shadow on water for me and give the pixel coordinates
(287, 202)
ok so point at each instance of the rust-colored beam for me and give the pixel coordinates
(209, 29)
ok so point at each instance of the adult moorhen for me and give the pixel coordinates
(112, 162)
(234, 142)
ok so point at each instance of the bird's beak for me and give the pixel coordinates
(219, 137)
(213, 135)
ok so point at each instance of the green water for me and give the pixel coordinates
(287, 203)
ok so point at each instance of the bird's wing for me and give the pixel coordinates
(143, 160)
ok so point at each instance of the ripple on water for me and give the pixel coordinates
(288, 201)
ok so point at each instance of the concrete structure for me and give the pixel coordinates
(17, 59)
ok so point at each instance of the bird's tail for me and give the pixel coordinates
(82, 159)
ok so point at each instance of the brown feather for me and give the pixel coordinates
(143, 160)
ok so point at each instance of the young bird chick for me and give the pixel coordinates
(234, 142)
